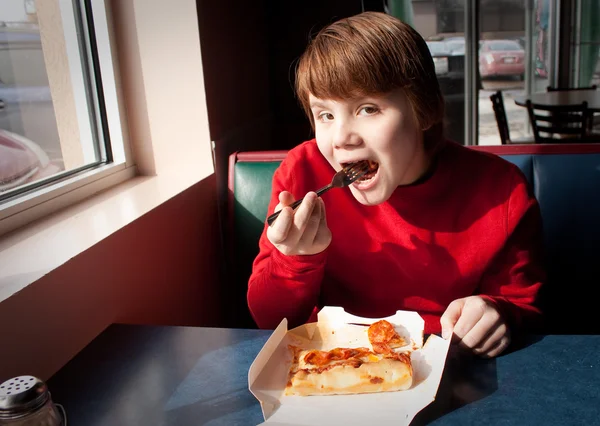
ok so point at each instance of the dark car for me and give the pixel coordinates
(449, 60)
(440, 53)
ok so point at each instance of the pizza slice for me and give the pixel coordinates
(352, 370)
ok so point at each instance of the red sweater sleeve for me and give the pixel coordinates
(516, 274)
(283, 286)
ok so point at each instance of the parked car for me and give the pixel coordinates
(501, 58)
(23, 161)
(456, 45)
(440, 52)
(521, 41)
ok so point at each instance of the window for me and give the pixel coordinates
(440, 23)
(503, 45)
(59, 118)
(586, 44)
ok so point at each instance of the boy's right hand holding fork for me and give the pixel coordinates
(303, 231)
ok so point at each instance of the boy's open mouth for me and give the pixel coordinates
(373, 167)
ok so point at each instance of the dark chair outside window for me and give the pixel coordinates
(559, 124)
(594, 118)
(502, 122)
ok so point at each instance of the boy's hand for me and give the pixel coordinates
(476, 324)
(303, 231)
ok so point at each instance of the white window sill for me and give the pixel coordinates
(29, 253)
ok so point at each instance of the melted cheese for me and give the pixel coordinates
(347, 371)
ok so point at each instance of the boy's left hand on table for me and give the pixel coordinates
(475, 323)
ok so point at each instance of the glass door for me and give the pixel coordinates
(515, 39)
(441, 23)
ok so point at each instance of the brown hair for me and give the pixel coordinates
(372, 54)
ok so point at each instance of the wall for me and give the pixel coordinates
(158, 270)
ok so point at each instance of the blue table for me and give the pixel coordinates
(146, 375)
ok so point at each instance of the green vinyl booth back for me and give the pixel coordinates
(249, 182)
(252, 193)
(564, 178)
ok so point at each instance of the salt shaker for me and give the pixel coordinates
(26, 401)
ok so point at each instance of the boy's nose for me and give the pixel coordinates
(345, 136)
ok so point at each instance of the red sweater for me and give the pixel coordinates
(472, 227)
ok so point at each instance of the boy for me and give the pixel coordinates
(437, 228)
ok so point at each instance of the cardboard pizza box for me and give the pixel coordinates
(268, 373)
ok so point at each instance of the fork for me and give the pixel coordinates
(341, 179)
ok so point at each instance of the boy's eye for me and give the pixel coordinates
(325, 116)
(368, 110)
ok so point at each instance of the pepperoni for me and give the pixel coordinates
(383, 337)
(381, 348)
(320, 358)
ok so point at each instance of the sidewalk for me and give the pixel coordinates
(518, 121)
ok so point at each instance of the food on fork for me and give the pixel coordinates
(341, 179)
(352, 370)
(372, 168)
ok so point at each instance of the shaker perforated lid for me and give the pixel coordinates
(22, 395)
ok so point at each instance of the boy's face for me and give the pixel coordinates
(377, 128)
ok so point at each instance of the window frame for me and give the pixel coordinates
(42, 199)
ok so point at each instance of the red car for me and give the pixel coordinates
(498, 58)
(23, 161)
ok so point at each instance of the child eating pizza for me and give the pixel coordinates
(433, 227)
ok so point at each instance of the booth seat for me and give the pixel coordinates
(564, 178)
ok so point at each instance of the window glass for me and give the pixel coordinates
(504, 45)
(48, 116)
(501, 62)
(438, 48)
(440, 22)
(502, 66)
